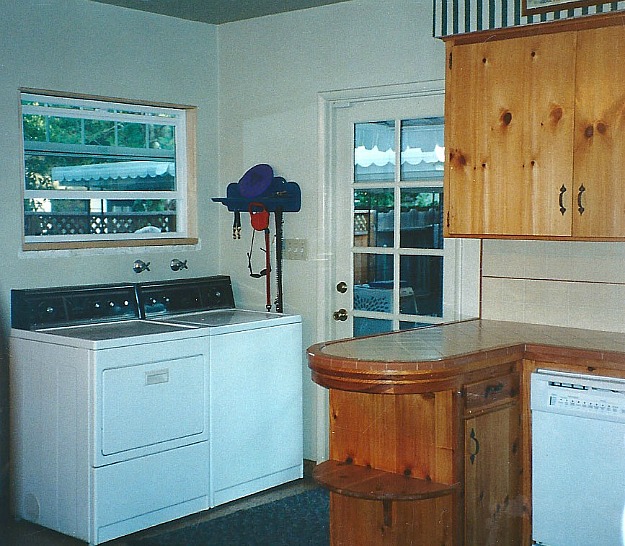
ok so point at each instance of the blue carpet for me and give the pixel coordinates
(298, 520)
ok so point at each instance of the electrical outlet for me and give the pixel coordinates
(295, 249)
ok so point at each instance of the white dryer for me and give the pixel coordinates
(109, 418)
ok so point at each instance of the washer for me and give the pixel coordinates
(256, 423)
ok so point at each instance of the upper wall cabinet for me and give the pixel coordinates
(535, 136)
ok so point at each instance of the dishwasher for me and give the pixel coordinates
(578, 459)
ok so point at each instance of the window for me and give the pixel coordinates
(100, 173)
(398, 247)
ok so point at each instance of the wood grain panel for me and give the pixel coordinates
(408, 434)
(362, 522)
(493, 503)
(600, 132)
(510, 112)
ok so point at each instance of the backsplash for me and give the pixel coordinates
(576, 284)
(461, 16)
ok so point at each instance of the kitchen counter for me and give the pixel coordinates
(430, 429)
(433, 358)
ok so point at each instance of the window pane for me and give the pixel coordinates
(99, 132)
(131, 135)
(65, 130)
(421, 223)
(373, 282)
(374, 211)
(374, 151)
(98, 216)
(422, 149)
(369, 326)
(421, 278)
(68, 172)
(35, 127)
(78, 149)
(162, 137)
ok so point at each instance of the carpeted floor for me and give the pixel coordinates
(298, 520)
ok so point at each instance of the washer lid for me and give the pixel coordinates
(232, 320)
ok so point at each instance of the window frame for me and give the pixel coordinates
(184, 118)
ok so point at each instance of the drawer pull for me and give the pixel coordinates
(477, 446)
(157, 377)
(580, 207)
(562, 207)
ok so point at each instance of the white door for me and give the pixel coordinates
(391, 267)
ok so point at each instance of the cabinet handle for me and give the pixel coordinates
(562, 192)
(477, 446)
(580, 207)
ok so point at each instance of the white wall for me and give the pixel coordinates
(577, 284)
(86, 47)
(271, 72)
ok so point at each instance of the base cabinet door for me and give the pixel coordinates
(493, 504)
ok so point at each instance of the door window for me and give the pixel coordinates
(398, 247)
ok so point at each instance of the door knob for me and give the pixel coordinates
(341, 315)
(341, 287)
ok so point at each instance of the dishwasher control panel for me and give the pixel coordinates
(576, 394)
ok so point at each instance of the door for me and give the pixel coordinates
(492, 504)
(510, 110)
(387, 249)
(599, 134)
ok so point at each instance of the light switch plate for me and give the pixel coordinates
(295, 249)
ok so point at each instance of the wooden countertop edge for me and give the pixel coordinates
(404, 377)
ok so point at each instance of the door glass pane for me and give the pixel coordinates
(421, 218)
(421, 284)
(369, 326)
(373, 282)
(374, 151)
(422, 149)
(404, 325)
(374, 211)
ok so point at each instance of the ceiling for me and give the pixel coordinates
(218, 11)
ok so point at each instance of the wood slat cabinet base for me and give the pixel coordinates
(535, 137)
(404, 468)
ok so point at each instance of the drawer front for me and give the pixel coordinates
(491, 391)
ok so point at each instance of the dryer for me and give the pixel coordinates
(109, 414)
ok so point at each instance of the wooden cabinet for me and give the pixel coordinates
(535, 136)
(393, 470)
(399, 463)
(493, 505)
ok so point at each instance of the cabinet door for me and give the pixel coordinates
(600, 133)
(509, 136)
(493, 506)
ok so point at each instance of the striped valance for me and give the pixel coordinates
(461, 16)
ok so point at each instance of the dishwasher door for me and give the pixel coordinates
(578, 460)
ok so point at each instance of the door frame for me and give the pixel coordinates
(328, 103)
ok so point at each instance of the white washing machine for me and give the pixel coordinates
(256, 422)
(111, 422)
